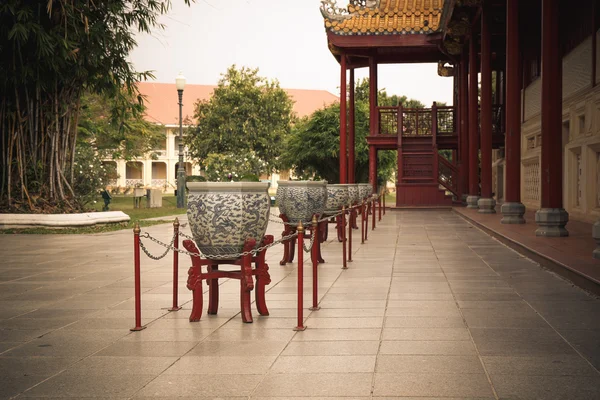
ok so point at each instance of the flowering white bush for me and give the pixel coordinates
(90, 176)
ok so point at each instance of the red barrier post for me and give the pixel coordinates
(349, 233)
(136, 267)
(344, 265)
(315, 263)
(379, 204)
(300, 230)
(367, 211)
(362, 222)
(384, 201)
(374, 204)
(175, 265)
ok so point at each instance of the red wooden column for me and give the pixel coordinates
(512, 209)
(464, 123)
(552, 217)
(373, 119)
(351, 132)
(486, 204)
(343, 123)
(473, 126)
(372, 96)
(457, 154)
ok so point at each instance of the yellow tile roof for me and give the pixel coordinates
(383, 17)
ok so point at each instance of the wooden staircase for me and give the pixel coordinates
(425, 178)
(418, 173)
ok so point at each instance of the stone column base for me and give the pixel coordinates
(486, 206)
(472, 201)
(463, 198)
(596, 236)
(551, 222)
(512, 213)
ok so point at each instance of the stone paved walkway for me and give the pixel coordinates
(431, 308)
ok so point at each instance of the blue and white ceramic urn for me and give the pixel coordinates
(365, 190)
(222, 215)
(300, 200)
(337, 197)
(353, 193)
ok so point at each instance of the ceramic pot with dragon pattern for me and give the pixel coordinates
(337, 197)
(222, 215)
(365, 190)
(353, 193)
(300, 200)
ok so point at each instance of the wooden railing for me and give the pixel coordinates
(416, 122)
(447, 175)
(388, 121)
(446, 123)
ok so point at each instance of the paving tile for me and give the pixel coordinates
(147, 349)
(324, 364)
(233, 365)
(546, 387)
(425, 334)
(425, 364)
(338, 334)
(238, 348)
(333, 348)
(341, 323)
(208, 386)
(348, 313)
(436, 347)
(424, 322)
(543, 365)
(13, 385)
(324, 384)
(433, 385)
(39, 366)
(110, 365)
(254, 335)
(65, 385)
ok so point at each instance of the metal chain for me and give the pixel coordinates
(213, 257)
(312, 242)
(148, 252)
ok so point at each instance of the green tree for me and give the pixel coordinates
(247, 114)
(51, 52)
(313, 147)
(124, 134)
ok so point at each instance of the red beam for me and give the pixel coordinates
(408, 40)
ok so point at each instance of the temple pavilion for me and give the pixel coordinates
(524, 128)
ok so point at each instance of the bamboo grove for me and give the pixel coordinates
(51, 52)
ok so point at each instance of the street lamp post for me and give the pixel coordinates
(180, 84)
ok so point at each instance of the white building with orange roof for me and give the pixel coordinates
(159, 168)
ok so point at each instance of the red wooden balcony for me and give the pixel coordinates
(417, 122)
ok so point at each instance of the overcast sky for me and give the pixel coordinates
(285, 39)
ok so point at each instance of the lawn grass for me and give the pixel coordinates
(125, 204)
(390, 199)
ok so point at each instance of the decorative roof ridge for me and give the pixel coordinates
(329, 8)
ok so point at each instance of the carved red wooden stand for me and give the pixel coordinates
(244, 274)
(289, 246)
